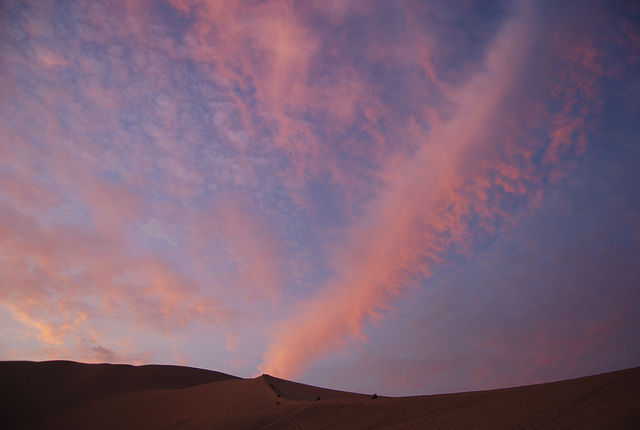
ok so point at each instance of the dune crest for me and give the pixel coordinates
(62, 394)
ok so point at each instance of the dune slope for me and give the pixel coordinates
(102, 396)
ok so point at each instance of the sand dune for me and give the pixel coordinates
(62, 394)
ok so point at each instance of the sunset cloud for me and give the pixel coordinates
(267, 186)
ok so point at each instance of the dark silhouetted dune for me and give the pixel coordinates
(62, 394)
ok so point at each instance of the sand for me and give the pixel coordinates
(63, 394)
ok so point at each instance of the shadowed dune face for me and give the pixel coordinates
(102, 396)
(34, 392)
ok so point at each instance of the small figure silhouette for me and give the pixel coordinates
(375, 396)
(317, 398)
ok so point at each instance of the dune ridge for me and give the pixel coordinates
(64, 394)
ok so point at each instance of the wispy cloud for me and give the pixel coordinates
(455, 188)
(268, 178)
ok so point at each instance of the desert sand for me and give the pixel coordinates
(69, 395)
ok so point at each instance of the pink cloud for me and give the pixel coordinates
(459, 175)
(271, 57)
(236, 166)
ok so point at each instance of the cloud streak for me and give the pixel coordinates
(423, 213)
(448, 195)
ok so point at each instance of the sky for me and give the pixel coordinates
(407, 197)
